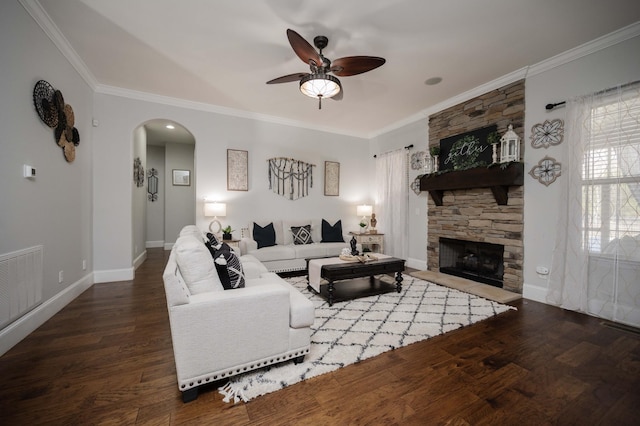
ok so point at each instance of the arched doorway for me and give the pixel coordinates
(166, 150)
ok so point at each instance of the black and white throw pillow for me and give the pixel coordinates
(264, 236)
(229, 267)
(301, 234)
(332, 233)
(213, 241)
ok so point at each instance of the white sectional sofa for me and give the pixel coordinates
(285, 255)
(218, 333)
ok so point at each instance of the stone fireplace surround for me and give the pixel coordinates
(473, 214)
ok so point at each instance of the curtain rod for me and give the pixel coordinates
(622, 86)
(406, 147)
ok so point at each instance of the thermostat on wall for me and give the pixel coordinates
(29, 172)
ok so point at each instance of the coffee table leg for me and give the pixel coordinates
(399, 281)
(330, 292)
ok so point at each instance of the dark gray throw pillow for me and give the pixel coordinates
(301, 234)
(332, 233)
(264, 236)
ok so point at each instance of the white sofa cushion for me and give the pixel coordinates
(252, 267)
(301, 309)
(196, 265)
(310, 250)
(278, 252)
(192, 230)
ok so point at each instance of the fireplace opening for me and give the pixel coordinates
(481, 262)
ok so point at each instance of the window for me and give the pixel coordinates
(611, 177)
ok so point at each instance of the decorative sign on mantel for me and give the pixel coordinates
(467, 150)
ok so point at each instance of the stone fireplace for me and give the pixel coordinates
(487, 205)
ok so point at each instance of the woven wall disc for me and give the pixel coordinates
(43, 100)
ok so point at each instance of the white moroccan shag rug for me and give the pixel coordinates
(349, 332)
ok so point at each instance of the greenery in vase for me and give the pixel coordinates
(434, 150)
(227, 230)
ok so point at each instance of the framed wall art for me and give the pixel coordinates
(331, 178)
(237, 170)
(181, 177)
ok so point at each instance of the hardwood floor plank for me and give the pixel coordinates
(107, 358)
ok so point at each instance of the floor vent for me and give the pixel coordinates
(20, 283)
(622, 327)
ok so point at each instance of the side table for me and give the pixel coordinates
(375, 242)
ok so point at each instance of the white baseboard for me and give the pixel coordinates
(168, 246)
(140, 260)
(416, 264)
(12, 334)
(113, 275)
(154, 244)
(536, 293)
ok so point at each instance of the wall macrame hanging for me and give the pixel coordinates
(290, 178)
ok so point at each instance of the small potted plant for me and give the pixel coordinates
(226, 233)
(363, 226)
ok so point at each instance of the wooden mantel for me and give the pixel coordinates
(496, 178)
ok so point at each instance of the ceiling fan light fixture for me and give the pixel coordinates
(320, 86)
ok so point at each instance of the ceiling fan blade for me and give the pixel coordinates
(288, 78)
(353, 65)
(303, 49)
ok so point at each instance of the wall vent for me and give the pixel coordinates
(21, 281)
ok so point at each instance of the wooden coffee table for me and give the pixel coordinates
(351, 280)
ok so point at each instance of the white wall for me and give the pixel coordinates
(155, 209)
(54, 209)
(606, 68)
(214, 134)
(138, 199)
(180, 200)
(416, 134)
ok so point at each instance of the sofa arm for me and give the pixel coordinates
(247, 245)
(220, 330)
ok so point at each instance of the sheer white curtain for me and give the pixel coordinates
(392, 201)
(596, 259)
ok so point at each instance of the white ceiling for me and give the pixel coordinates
(221, 53)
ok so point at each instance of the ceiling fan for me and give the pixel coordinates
(319, 83)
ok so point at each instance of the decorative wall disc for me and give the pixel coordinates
(547, 170)
(43, 93)
(548, 133)
(415, 185)
(417, 160)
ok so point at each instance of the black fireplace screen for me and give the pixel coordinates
(477, 261)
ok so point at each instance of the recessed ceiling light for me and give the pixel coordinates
(433, 81)
(170, 126)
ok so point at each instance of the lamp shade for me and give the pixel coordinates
(215, 209)
(364, 210)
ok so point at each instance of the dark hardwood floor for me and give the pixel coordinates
(107, 358)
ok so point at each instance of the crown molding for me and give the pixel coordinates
(201, 106)
(588, 48)
(608, 40)
(45, 22)
(462, 97)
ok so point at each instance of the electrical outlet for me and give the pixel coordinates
(84, 264)
(60, 276)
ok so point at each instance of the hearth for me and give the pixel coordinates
(477, 261)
